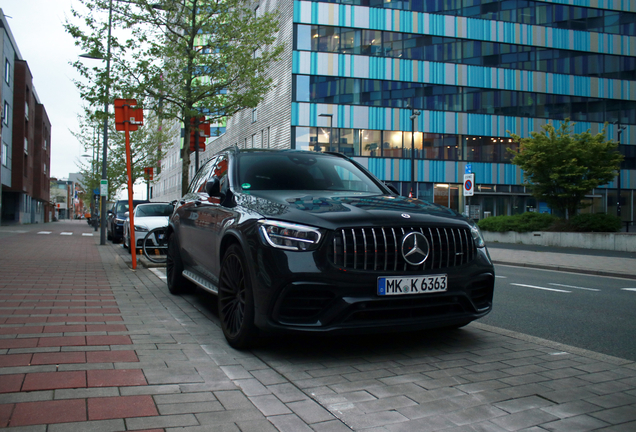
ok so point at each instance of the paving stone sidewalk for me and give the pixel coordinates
(87, 344)
(611, 264)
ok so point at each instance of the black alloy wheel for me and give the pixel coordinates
(236, 300)
(177, 284)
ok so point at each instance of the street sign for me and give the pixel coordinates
(469, 184)
(134, 116)
(103, 187)
(468, 169)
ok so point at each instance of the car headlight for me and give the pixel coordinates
(141, 228)
(288, 236)
(477, 237)
(119, 221)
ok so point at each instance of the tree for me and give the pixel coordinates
(183, 58)
(561, 167)
(147, 149)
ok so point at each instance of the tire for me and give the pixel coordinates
(160, 245)
(177, 284)
(236, 300)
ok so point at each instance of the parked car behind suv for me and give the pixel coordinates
(116, 218)
(147, 216)
(312, 242)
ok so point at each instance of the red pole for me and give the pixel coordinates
(131, 228)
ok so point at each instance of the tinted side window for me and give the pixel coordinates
(198, 183)
(221, 170)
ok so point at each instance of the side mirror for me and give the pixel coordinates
(110, 212)
(213, 187)
(126, 214)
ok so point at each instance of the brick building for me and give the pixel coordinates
(26, 140)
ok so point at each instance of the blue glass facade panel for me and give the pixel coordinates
(466, 97)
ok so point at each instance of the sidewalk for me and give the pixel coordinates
(84, 345)
(87, 344)
(598, 262)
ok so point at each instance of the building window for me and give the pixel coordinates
(5, 151)
(44, 168)
(26, 111)
(7, 71)
(26, 146)
(254, 116)
(5, 113)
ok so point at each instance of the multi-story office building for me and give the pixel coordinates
(26, 139)
(478, 70)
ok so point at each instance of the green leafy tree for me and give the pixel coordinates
(561, 167)
(182, 58)
(147, 145)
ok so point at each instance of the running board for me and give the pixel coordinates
(200, 281)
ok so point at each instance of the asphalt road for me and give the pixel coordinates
(591, 312)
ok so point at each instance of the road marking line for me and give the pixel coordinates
(502, 277)
(161, 275)
(541, 288)
(574, 287)
(45, 232)
(629, 289)
(87, 234)
(66, 233)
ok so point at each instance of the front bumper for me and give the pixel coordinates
(118, 230)
(300, 292)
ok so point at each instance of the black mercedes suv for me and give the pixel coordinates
(302, 241)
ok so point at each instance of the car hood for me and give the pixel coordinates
(151, 222)
(333, 210)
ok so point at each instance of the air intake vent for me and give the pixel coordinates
(302, 304)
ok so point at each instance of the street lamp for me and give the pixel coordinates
(618, 187)
(102, 234)
(414, 115)
(330, 127)
(94, 165)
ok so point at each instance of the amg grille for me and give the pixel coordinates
(380, 248)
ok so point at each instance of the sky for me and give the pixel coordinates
(37, 27)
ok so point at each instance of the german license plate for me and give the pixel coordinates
(388, 286)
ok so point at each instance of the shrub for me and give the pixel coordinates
(529, 221)
(598, 222)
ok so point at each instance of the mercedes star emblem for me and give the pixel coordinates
(415, 248)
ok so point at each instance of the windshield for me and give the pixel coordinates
(298, 171)
(154, 210)
(122, 207)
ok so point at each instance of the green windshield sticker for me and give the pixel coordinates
(246, 185)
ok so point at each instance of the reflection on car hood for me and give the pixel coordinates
(151, 222)
(341, 209)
